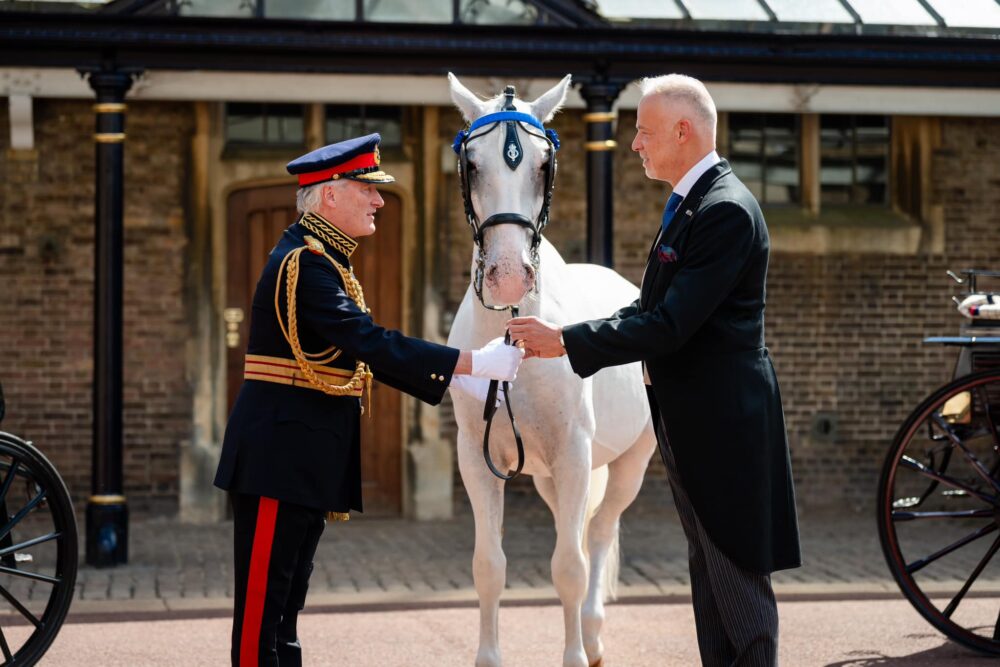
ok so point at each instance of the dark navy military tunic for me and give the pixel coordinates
(298, 444)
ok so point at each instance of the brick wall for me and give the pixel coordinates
(46, 294)
(845, 330)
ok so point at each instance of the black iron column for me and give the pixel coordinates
(107, 511)
(600, 94)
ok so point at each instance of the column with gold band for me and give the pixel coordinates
(107, 508)
(600, 94)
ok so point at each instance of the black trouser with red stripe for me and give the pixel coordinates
(273, 546)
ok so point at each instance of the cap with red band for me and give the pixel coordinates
(356, 159)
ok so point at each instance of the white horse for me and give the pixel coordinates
(587, 442)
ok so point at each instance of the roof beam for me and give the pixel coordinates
(180, 43)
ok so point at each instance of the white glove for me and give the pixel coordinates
(497, 361)
(477, 388)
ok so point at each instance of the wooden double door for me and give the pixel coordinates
(256, 219)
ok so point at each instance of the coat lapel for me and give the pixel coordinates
(686, 212)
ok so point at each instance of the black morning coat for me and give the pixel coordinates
(297, 444)
(699, 327)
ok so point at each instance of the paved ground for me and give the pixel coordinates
(401, 579)
(813, 634)
(365, 562)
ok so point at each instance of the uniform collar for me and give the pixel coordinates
(684, 186)
(319, 226)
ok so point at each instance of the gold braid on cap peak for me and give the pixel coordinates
(362, 378)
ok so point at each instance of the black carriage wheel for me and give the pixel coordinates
(33, 476)
(954, 468)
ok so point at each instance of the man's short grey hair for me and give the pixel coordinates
(308, 198)
(687, 90)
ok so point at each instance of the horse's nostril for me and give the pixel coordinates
(529, 271)
(491, 273)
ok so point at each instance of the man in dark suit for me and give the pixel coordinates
(698, 328)
(291, 454)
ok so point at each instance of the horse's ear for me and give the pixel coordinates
(467, 101)
(548, 103)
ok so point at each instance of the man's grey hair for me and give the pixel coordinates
(308, 198)
(687, 90)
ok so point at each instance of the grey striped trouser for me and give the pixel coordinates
(734, 609)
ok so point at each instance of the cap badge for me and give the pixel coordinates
(378, 157)
(313, 245)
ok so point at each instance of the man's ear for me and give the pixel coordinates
(329, 195)
(683, 129)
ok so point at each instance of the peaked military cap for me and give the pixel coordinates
(357, 159)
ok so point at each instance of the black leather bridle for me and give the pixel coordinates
(510, 119)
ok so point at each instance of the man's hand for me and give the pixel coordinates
(497, 361)
(540, 338)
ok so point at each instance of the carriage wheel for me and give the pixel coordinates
(938, 510)
(38, 552)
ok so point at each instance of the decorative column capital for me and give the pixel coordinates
(109, 82)
(599, 91)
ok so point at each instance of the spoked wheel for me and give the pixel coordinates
(938, 509)
(38, 552)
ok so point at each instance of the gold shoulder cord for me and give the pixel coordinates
(362, 378)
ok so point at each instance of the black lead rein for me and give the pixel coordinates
(490, 411)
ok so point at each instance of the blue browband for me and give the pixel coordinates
(499, 117)
(506, 115)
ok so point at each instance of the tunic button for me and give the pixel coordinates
(441, 378)
(434, 376)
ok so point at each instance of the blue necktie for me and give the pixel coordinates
(668, 213)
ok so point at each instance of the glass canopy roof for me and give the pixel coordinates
(926, 17)
(932, 16)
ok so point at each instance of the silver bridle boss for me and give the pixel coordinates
(513, 153)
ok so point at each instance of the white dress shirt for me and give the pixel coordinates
(684, 186)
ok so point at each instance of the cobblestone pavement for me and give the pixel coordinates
(176, 567)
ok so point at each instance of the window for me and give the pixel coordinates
(323, 10)
(496, 12)
(763, 150)
(854, 158)
(344, 121)
(264, 125)
(230, 8)
(507, 12)
(409, 11)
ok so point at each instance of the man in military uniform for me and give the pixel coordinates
(291, 454)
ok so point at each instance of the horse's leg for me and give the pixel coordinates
(547, 490)
(624, 480)
(571, 475)
(489, 565)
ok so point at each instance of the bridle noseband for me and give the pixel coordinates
(513, 153)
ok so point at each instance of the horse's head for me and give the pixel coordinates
(507, 164)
